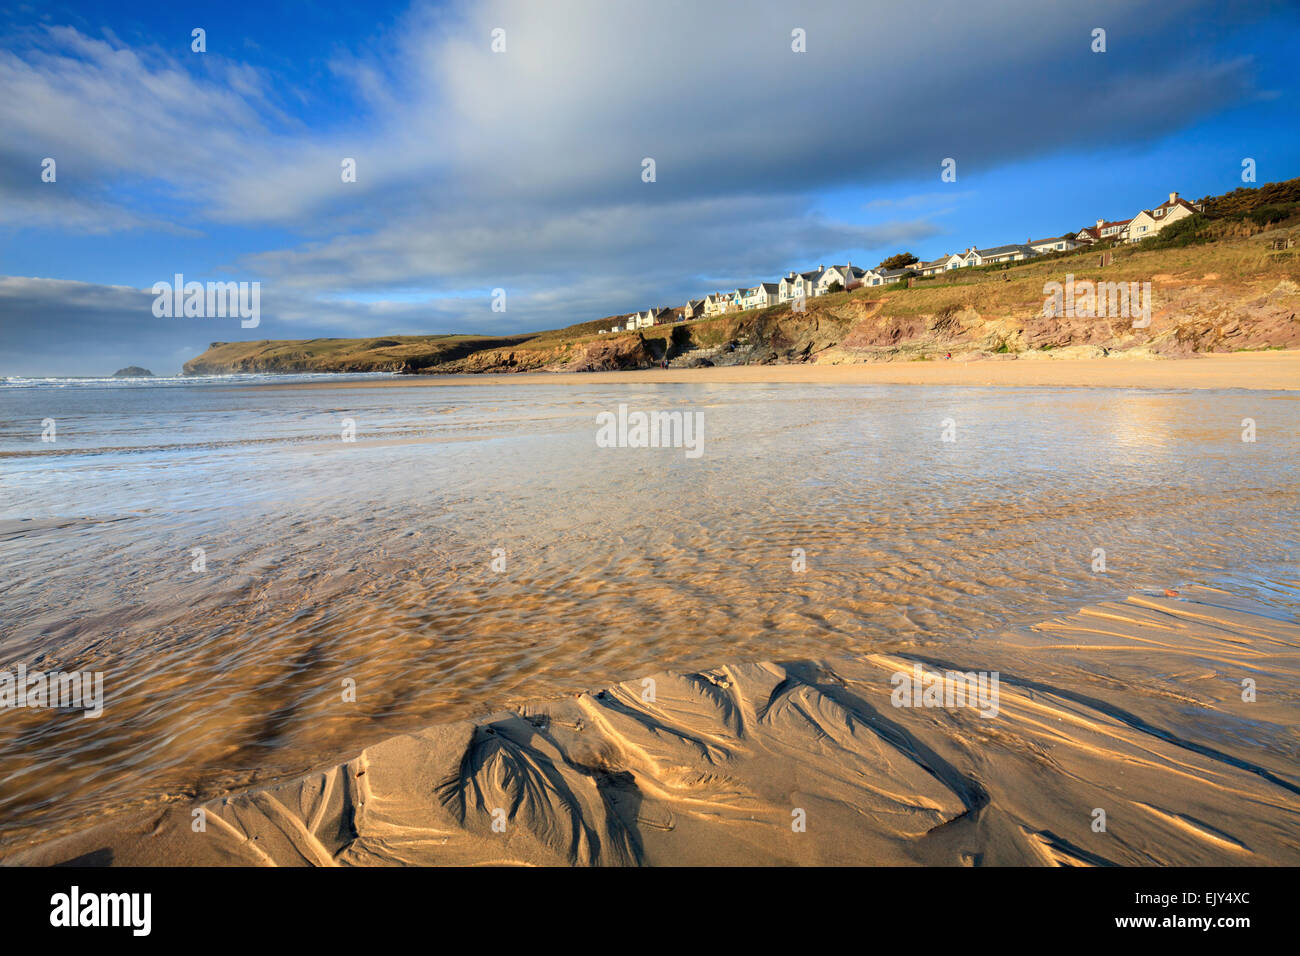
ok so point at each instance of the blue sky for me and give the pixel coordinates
(521, 169)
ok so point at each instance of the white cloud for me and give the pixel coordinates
(522, 169)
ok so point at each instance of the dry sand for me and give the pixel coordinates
(1250, 370)
(1132, 707)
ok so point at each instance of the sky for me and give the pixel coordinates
(522, 168)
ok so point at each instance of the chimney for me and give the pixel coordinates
(821, 267)
(1099, 223)
(1173, 198)
(849, 265)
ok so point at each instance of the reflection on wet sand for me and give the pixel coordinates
(372, 561)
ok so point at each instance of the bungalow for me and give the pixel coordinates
(1150, 221)
(1059, 244)
(1012, 253)
(934, 266)
(893, 275)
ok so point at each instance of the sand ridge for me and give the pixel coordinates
(810, 763)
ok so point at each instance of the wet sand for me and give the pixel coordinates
(820, 524)
(1120, 736)
(1245, 370)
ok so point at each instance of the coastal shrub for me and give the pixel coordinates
(1184, 232)
(1276, 212)
(1245, 200)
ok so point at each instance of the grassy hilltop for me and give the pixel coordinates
(1217, 284)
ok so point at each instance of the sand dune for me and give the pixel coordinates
(1133, 708)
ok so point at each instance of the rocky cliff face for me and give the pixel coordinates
(599, 354)
(397, 354)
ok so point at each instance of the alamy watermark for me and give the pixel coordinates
(1085, 299)
(922, 688)
(71, 690)
(193, 300)
(651, 430)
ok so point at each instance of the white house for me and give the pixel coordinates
(1058, 244)
(648, 318)
(761, 296)
(1150, 221)
(933, 267)
(715, 303)
(845, 275)
(1116, 229)
(798, 284)
(1012, 253)
(995, 254)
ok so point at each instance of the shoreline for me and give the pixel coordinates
(1254, 371)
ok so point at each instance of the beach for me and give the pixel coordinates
(275, 578)
(1082, 755)
(1249, 370)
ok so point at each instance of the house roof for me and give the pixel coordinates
(1002, 250)
(1180, 201)
(1039, 242)
(888, 273)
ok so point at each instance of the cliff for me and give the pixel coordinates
(1230, 295)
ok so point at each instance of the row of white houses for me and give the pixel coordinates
(806, 285)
